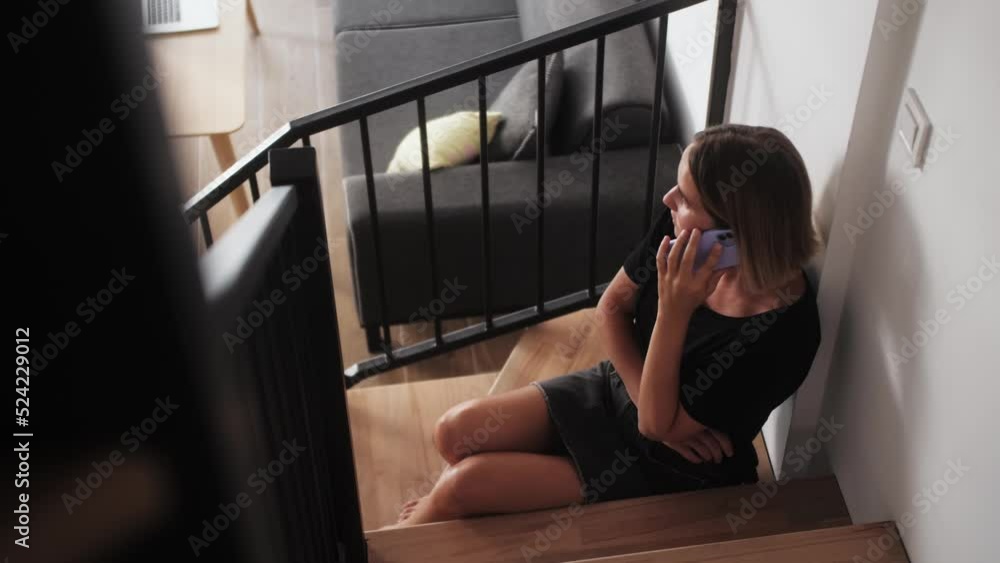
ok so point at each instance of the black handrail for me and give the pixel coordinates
(476, 69)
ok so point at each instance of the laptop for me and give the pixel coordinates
(172, 16)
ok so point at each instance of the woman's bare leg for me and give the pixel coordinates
(499, 483)
(515, 421)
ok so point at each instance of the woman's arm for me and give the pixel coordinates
(616, 310)
(659, 392)
(681, 290)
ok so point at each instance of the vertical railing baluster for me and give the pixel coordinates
(485, 185)
(254, 187)
(540, 173)
(722, 61)
(654, 127)
(366, 154)
(597, 145)
(429, 209)
(206, 229)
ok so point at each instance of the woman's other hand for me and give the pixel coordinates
(708, 445)
(681, 288)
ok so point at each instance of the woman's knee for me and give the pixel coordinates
(453, 433)
(460, 486)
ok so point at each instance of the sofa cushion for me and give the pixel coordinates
(451, 140)
(458, 228)
(375, 15)
(518, 102)
(629, 76)
(396, 55)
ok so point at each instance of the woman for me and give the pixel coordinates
(697, 358)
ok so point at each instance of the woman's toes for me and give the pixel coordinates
(408, 509)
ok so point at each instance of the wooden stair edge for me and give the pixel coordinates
(861, 542)
(618, 527)
(423, 383)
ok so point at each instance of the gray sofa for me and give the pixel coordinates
(384, 42)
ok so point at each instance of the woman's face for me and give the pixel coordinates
(684, 201)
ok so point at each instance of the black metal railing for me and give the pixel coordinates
(272, 386)
(477, 69)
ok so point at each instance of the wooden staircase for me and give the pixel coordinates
(794, 521)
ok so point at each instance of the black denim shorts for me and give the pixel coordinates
(598, 427)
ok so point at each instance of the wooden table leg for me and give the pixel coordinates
(253, 18)
(225, 154)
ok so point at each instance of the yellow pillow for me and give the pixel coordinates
(451, 140)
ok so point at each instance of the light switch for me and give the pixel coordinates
(913, 127)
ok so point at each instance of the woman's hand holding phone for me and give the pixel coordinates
(681, 288)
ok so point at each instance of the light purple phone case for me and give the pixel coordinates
(730, 251)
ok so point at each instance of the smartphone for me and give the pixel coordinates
(730, 251)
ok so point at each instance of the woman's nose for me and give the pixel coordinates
(667, 197)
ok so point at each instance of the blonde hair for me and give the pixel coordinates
(753, 180)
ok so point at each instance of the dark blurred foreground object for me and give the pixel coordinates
(154, 437)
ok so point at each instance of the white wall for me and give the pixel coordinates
(912, 423)
(690, 45)
(910, 419)
(798, 66)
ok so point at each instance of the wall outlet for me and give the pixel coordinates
(913, 127)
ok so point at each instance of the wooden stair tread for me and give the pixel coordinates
(617, 527)
(562, 345)
(392, 429)
(843, 544)
(567, 344)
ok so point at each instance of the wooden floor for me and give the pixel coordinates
(290, 73)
